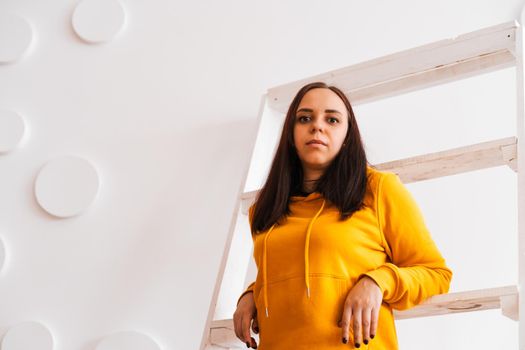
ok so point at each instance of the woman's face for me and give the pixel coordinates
(321, 123)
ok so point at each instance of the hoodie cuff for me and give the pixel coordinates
(248, 290)
(386, 278)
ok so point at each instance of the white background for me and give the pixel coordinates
(167, 112)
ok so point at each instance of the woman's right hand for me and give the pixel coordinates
(242, 319)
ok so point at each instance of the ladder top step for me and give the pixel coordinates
(446, 60)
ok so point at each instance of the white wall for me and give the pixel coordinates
(166, 113)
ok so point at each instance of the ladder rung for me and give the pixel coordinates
(506, 298)
(455, 161)
(433, 165)
(447, 60)
(222, 334)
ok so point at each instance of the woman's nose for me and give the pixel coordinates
(317, 126)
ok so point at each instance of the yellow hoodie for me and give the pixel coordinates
(309, 263)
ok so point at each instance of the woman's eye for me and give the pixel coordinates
(303, 119)
(333, 120)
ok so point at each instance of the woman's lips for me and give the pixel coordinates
(316, 143)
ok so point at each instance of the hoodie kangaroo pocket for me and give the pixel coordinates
(294, 317)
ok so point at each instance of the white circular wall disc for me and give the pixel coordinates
(16, 35)
(129, 340)
(12, 129)
(98, 21)
(66, 186)
(26, 336)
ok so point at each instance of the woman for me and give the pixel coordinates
(338, 244)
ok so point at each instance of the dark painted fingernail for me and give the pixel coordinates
(345, 341)
(357, 345)
(247, 344)
(365, 341)
(372, 336)
(256, 329)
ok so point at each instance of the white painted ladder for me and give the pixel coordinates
(474, 53)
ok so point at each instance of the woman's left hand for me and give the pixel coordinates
(361, 311)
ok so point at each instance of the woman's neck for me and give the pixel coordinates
(310, 179)
(309, 186)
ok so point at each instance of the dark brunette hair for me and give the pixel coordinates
(343, 183)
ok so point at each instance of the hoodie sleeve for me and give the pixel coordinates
(248, 290)
(415, 270)
(251, 286)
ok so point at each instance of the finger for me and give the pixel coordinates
(366, 317)
(374, 322)
(246, 336)
(356, 326)
(253, 343)
(237, 326)
(345, 324)
(255, 325)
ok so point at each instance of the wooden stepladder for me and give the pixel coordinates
(444, 61)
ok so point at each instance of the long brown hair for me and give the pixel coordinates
(343, 183)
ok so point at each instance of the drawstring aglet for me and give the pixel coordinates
(266, 312)
(308, 292)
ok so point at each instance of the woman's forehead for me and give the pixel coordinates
(321, 98)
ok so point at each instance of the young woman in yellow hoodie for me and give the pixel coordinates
(338, 244)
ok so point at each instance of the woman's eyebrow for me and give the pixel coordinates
(305, 110)
(326, 110)
(332, 111)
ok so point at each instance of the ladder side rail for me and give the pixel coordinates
(520, 134)
(229, 240)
